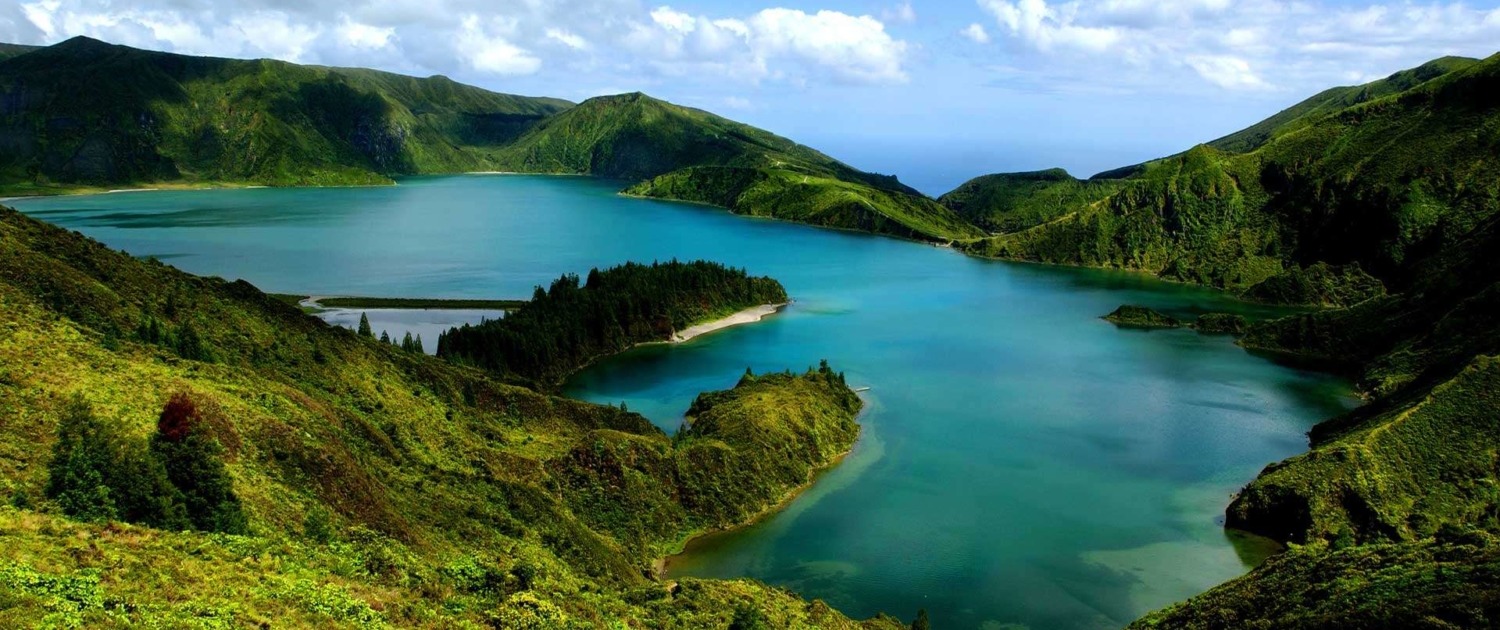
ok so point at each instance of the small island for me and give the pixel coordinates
(1133, 316)
(572, 324)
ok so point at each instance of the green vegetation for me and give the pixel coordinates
(1381, 202)
(1355, 191)
(95, 114)
(12, 50)
(1131, 316)
(377, 486)
(797, 195)
(1453, 582)
(1010, 202)
(1221, 324)
(148, 118)
(569, 325)
(691, 155)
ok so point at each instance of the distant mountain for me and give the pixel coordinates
(691, 155)
(85, 114)
(88, 113)
(1010, 202)
(11, 50)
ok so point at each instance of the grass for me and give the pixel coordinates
(442, 497)
(1452, 582)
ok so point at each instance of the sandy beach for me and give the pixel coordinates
(747, 316)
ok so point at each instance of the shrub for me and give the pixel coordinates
(194, 464)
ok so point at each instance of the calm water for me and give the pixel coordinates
(1023, 462)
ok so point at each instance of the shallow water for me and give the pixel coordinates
(1023, 461)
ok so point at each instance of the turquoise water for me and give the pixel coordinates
(1023, 461)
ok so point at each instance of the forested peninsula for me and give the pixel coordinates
(569, 325)
(278, 470)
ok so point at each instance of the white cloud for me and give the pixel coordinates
(1228, 72)
(359, 35)
(976, 33)
(900, 13)
(1236, 45)
(610, 37)
(487, 49)
(567, 39)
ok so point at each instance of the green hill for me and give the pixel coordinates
(11, 50)
(691, 155)
(1380, 202)
(379, 486)
(1369, 190)
(1010, 202)
(84, 115)
(87, 113)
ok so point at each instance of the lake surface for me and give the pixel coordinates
(1023, 462)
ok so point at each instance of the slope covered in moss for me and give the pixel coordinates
(1371, 185)
(817, 199)
(1450, 583)
(1009, 202)
(87, 113)
(381, 486)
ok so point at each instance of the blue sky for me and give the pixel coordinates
(933, 91)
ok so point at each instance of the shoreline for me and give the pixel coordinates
(661, 566)
(748, 316)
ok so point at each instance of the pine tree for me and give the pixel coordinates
(407, 343)
(384, 337)
(364, 326)
(418, 346)
(80, 459)
(921, 623)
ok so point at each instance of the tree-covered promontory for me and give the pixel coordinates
(570, 324)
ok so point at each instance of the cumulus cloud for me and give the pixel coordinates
(976, 33)
(484, 38)
(1236, 45)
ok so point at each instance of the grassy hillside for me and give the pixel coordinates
(381, 486)
(83, 115)
(795, 195)
(1010, 202)
(86, 113)
(1450, 583)
(11, 50)
(691, 155)
(1395, 506)
(1369, 189)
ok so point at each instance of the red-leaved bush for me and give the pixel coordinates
(178, 418)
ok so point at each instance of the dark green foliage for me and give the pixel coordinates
(414, 460)
(1008, 202)
(921, 622)
(96, 474)
(1133, 316)
(567, 325)
(1320, 285)
(385, 337)
(790, 194)
(1382, 182)
(194, 463)
(1221, 324)
(13, 50)
(742, 451)
(90, 113)
(364, 326)
(748, 617)
(1452, 583)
